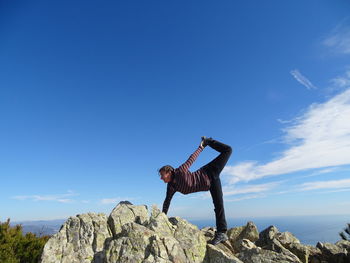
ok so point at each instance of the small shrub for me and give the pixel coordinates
(18, 248)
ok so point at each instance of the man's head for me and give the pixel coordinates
(165, 173)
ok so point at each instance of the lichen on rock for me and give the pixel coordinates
(130, 234)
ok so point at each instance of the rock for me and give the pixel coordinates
(225, 247)
(191, 239)
(130, 234)
(246, 244)
(266, 236)
(272, 239)
(305, 253)
(160, 223)
(286, 238)
(80, 239)
(333, 253)
(344, 244)
(268, 240)
(250, 253)
(237, 234)
(124, 213)
(216, 255)
(259, 255)
(137, 243)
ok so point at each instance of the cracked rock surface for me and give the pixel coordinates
(131, 234)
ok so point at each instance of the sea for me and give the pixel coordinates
(308, 229)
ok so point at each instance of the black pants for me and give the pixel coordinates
(213, 170)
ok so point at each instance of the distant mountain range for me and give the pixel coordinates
(40, 227)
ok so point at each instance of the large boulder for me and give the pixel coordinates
(137, 243)
(160, 223)
(344, 244)
(124, 213)
(306, 253)
(250, 253)
(237, 234)
(286, 238)
(80, 240)
(223, 249)
(334, 253)
(191, 239)
(128, 234)
(271, 239)
(217, 255)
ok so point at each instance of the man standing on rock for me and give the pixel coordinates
(205, 178)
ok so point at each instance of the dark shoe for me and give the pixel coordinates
(206, 140)
(218, 238)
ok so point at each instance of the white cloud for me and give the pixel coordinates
(246, 197)
(64, 200)
(302, 79)
(114, 200)
(342, 81)
(339, 38)
(253, 188)
(344, 183)
(56, 197)
(229, 190)
(322, 171)
(319, 138)
(336, 191)
(284, 121)
(283, 192)
(259, 190)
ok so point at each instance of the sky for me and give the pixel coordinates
(96, 96)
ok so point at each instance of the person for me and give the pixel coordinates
(205, 178)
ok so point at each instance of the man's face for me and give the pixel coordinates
(165, 176)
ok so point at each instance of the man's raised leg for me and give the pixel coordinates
(218, 164)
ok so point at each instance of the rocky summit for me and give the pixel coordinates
(131, 233)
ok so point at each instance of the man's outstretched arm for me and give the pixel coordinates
(186, 165)
(169, 195)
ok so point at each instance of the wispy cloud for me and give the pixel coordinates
(333, 186)
(229, 190)
(319, 138)
(336, 191)
(114, 200)
(302, 79)
(322, 171)
(339, 39)
(342, 81)
(61, 198)
(330, 184)
(252, 188)
(246, 197)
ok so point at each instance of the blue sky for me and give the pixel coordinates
(96, 96)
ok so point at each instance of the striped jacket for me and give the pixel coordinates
(186, 182)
